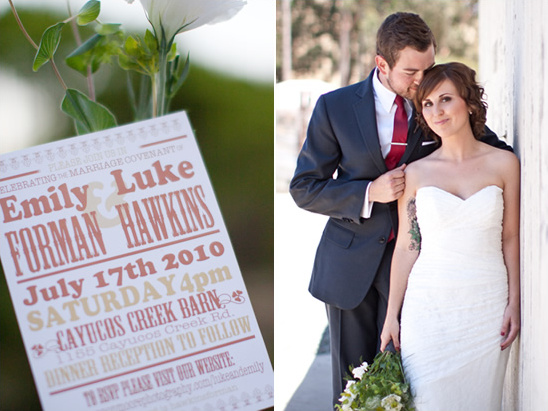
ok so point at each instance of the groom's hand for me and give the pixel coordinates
(389, 186)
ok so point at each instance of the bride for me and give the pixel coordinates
(455, 270)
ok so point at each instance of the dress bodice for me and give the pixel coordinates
(449, 224)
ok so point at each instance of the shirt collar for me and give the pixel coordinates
(386, 97)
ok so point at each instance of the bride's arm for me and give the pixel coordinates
(405, 254)
(510, 249)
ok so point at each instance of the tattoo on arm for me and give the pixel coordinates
(414, 224)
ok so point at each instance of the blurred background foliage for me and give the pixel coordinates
(233, 123)
(334, 41)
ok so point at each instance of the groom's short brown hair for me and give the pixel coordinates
(401, 30)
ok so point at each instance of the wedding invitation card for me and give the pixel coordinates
(124, 281)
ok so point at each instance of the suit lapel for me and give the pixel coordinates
(364, 110)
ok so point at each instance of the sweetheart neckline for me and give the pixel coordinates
(456, 196)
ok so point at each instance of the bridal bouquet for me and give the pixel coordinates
(377, 387)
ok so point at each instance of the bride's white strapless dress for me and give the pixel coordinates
(454, 304)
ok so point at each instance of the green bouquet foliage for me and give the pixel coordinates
(380, 386)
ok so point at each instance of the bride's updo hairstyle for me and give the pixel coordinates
(464, 79)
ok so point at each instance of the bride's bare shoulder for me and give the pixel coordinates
(505, 164)
(503, 158)
(422, 165)
(416, 172)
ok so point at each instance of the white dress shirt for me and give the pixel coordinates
(385, 109)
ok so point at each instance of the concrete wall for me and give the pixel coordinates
(514, 70)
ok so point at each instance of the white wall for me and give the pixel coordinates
(514, 70)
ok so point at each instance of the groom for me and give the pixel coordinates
(352, 169)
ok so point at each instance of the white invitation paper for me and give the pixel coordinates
(124, 281)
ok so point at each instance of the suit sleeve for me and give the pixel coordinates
(314, 187)
(491, 138)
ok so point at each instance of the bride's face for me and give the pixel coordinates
(445, 111)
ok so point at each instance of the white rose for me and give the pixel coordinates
(349, 384)
(359, 371)
(392, 402)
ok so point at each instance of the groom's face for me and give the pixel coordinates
(407, 73)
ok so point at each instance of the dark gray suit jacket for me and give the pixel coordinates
(342, 138)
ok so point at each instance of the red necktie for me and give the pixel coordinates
(399, 136)
(399, 139)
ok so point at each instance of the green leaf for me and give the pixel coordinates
(137, 55)
(94, 52)
(180, 73)
(106, 29)
(89, 12)
(132, 46)
(88, 115)
(48, 45)
(150, 41)
(172, 52)
(81, 62)
(86, 46)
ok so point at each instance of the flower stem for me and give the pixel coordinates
(58, 75)
(154, 95)
(89, 75)
(20, 24)
(162, 78)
